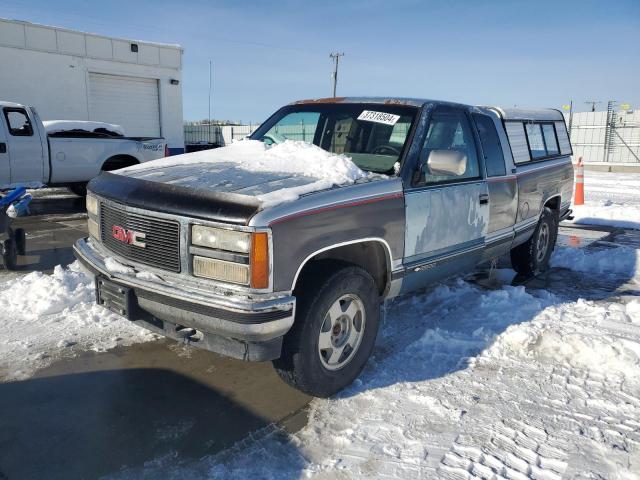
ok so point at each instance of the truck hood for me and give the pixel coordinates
(221, 177)
(230, 184)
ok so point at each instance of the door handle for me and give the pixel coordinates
(484, 198)
(3, 147)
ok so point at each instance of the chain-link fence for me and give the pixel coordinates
(217, 135)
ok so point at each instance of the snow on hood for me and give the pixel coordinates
(274, 175)
(56, 126)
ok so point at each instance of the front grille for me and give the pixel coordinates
(162, 237)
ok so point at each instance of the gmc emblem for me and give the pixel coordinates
(128, 236)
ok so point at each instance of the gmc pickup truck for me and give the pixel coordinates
(31, 157)
(192, 250)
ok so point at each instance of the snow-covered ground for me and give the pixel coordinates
(610, 199)
(469, 383)
(45, 317)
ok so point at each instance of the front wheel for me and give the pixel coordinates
(79, 189)
(532, 257)
(334, 332)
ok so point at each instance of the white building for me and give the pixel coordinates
(71, 75)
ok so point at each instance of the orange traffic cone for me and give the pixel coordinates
(578, 198)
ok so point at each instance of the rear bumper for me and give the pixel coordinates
(249, 328)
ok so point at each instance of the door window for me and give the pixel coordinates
(449, 130)
(491, 146)
(18, 122)
(296, 126)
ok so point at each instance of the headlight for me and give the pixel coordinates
(252, 269)
(92, 205)
(220, 239)
(93, 228)
(220, 270)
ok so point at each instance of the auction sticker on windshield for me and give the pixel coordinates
(379, 117)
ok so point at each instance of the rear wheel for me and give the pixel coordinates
(334, 331)
(21, 241)
(9, 254)
(532, 257)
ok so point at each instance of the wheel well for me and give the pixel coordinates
(370, 255)
(119, 161)
(553, 203)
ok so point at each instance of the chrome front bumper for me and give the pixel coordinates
(232, 323)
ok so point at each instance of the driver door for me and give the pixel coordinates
(5, 168)
(447, 213)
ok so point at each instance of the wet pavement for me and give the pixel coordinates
(97, 413)
(56, 221)
(90, 415)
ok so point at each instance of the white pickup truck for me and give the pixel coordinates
(32, 157)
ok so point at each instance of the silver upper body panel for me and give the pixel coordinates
(360, 191)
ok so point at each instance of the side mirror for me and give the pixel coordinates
(447, 162)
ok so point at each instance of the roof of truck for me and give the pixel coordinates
(505, 113)
(10, 104)
(413, 102)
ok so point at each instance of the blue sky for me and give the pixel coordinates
(265, 54)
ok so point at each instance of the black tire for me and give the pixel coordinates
(9, 254)
(20, 238)
(532, 257)
(300, 364)
(79, 189)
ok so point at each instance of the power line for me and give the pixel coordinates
(336, 59)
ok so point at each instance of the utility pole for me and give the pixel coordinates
(593, 104)
(336, 59)
(209, 117)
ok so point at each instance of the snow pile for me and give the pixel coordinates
(623, 261)
(573, 337)
(611, 199)
(297, 158)
(57, 126)
(44, 315)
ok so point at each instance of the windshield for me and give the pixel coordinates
(373, 135)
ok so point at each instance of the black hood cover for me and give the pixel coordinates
(203, 203)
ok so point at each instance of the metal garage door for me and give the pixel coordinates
(128, 101)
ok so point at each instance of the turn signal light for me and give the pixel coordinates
(259, 260)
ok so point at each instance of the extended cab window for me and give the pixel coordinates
(18, 122)
(449, 150)
(543, 141)
(491, 146)
(372, 135)
(550, 141)
(536, 141)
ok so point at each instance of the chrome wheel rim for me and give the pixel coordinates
(341, 332)
(543, 242)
